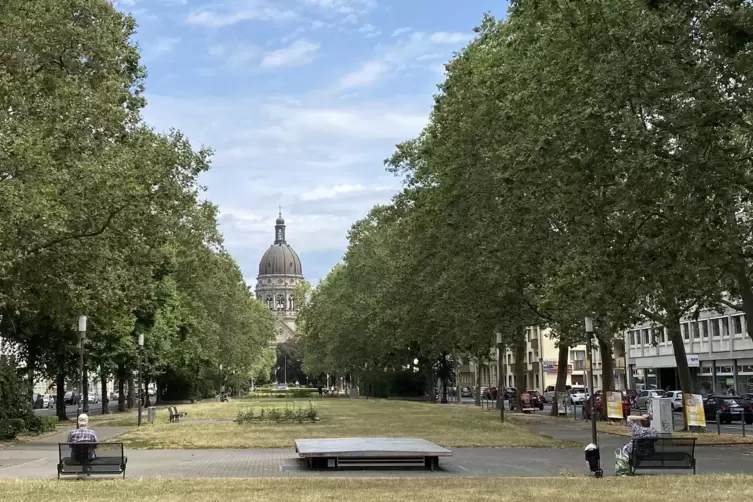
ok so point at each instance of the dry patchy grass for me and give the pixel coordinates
(580, 489)
(450, 426)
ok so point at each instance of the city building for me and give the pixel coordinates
(280, 272)
(542, 357)
(718, 350)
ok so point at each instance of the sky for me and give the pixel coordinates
(301, 101)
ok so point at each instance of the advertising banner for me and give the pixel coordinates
(692, 405)
(614, 405)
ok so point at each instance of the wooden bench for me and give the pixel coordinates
(663, 453)
(74, 459)
(175, 415)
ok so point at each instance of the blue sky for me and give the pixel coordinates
(301, 100)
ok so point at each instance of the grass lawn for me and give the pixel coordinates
(450, 426)
(580, 489)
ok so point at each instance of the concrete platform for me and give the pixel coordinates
(370, 452)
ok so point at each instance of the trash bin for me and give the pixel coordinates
(593, 458)
(151, 414)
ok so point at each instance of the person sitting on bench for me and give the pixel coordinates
(641, 429)
(83, 435)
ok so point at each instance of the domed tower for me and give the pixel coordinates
(279, 273)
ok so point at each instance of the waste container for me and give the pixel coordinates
(151, 414)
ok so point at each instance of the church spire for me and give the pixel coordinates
(280, 228)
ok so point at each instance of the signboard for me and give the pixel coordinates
(614, 405)
(526, 402)
(551, 369)
(692, 405)
(693, 360)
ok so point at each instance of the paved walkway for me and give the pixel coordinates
(39, 460)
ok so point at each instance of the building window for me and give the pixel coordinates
(579, 355)
(270, 302)
(280, 302)
(705, 370)
(704, 327)
(725, 327)
(722, 370)
(291, 302)
(633, 341)
(738, 320)
(747, 368)
(685, 334)
(715, 328)
(696, 333)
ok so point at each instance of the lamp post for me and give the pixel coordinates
(589, 335)
(500, 378)
(141, 375)
(286, 369)
(82, 339)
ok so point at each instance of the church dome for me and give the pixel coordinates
(280, 258)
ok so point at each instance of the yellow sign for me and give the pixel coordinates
(692, 405)
(614, 405)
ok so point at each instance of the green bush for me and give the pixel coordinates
(10, 428)
(42, 425)
(284, 415)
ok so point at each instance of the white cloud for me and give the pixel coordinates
(418, 47)
(370, 72)
(161, 46)
(369, 30)
(331, 192)
(400, 31)
(298, 53)
(255, 11)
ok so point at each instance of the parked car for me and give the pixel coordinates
(93, 398)
(71, 398)
(283, 387)
(43, 401)
(600, 411)
(729, 407)
(548, 394)
(490, 393)
(466, 392)
(537, 400)
(641, 402)
(676, 397)
(577, 395)
(510, 392)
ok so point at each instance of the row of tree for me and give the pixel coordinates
(582, 158)
(102, 216)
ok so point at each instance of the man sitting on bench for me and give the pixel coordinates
(85, 452)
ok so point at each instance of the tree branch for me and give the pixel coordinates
(83, 235)
(737, 307)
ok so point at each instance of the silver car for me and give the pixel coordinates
(641, 402)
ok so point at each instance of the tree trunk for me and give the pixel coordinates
(60, 397)
(559, 386)
(607, 367)
(131, 392)
(686, 382)
(520, 367)
(105, 397)
(147, 397)
(121, 395)
(477, 390)
(30, 370)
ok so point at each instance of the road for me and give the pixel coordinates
(94, 408)
(733, 428)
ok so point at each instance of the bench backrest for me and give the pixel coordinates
(664, 451)
(79, 452)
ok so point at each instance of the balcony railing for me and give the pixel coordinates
(619, 362)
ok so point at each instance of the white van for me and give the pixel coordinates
(549, 393)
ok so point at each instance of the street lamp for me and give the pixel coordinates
(141, 375)
(500, 378)
(82, 339)
(589, 334)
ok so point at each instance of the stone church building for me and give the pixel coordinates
(280, 272)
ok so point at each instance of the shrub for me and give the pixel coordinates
(10, 428)
(284, 415)
(42, 425)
